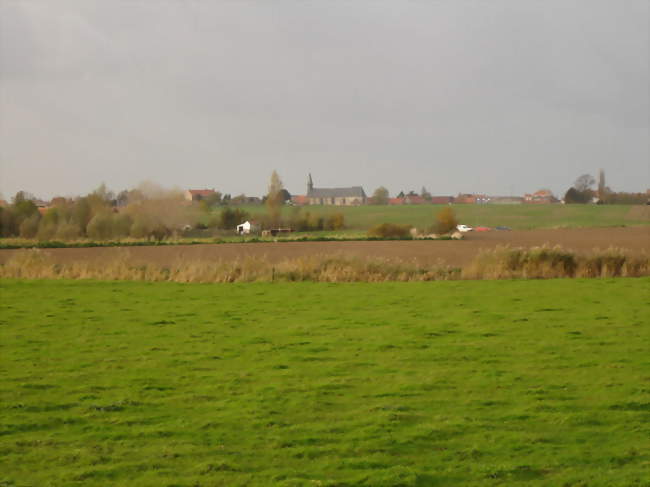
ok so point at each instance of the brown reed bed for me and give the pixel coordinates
(499, 263)
(546, 262)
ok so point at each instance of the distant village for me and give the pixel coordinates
(152, 212)
(356, 196)
(585, 190)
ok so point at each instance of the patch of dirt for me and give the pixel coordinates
(454, 253)
(638, 213)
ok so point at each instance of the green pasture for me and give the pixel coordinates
(517, 217)
(476, 383)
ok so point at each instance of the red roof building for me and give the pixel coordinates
(442, 200)
(198, 194)
(300, 199)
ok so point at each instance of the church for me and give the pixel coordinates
(352, 196)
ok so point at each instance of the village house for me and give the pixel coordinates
(409, 199)
(467, 198)
(543, 196)
(299, 200)
(196, 195)
(352, 196)
(505, 200)
(442, 200)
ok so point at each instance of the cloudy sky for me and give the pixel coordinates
(459, 96)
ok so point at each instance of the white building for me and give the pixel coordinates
(248, 227)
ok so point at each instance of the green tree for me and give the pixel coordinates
(67, 231)
(29, 226)
(573, 196)
(23, 209)
(380, 196)
(231, 217)
(82, 214)
(121, 225)
(100, 226)
(274, 199)
(213, 200)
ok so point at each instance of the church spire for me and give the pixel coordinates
(310, 184)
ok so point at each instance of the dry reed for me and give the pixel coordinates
(554, 262)
(499, 263)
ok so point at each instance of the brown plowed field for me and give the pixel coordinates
(455, 253)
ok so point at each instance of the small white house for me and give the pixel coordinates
(247, 227)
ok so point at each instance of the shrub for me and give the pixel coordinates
(121, 225)
(46, 231)
(446, 221)
(68, 231)
(29, 226)
(141, 227)
(335, 221)
(160, 232)
(315, 222)
(100, 227)
(390, 230)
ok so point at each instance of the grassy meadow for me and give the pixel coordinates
(478, 383)
(517, 217)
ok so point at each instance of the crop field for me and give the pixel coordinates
(455, 253)
(517, 217)
(474, 383)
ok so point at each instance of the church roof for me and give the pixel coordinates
(353, 192)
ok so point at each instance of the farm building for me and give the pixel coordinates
(469, 199)
(442, 200)
(543, 196)
(299, 199)
(248, 227)
(198, 194)
(351, 196)
(505, 200)
(409, 199)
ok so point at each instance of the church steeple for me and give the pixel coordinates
(310, 185)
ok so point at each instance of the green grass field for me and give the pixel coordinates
(395, 384)
(518, 217)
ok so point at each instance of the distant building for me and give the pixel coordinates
(471, 199)
(198, 194)
(248, 227)
(505, 200)
(299, 199)
(408, 200)
(352, 196)
(442, 200)
(543, 196)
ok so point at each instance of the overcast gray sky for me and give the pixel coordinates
(459, 96)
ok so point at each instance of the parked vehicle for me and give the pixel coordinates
(464, 228)
(503, 228)
(482, 229)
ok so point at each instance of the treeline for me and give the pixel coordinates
(298, 220)
(574, 196)
(148, 213)
(584, 190)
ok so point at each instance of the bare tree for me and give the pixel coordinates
(584, 183)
